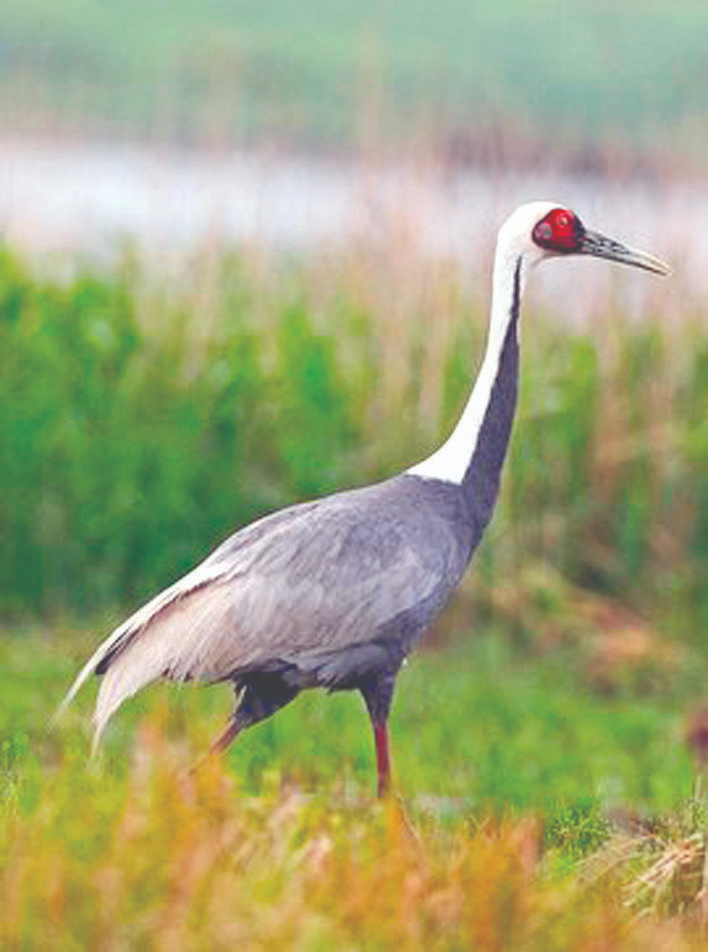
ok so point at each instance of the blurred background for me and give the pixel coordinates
(245, 261)
(245, 253)
(302, 124)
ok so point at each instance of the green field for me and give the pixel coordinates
(533, 806)
(334, 73)
(549, 798)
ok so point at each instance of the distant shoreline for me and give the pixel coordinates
(94, 199)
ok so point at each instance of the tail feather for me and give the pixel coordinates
(121, 678)
(144, 661)
(110, 644)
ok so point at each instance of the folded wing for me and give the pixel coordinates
(309, 581)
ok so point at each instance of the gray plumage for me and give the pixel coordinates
(326, 593)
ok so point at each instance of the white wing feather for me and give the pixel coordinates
(128, 633)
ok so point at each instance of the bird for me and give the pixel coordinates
(334, 593)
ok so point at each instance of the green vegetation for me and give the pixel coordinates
(208, 71)
(538, 741)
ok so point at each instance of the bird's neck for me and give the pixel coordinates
(473, 454)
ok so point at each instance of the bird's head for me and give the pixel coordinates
(543, 230)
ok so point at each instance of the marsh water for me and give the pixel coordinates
(93, 199)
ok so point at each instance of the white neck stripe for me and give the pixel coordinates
(451, 460)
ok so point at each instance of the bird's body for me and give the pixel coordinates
(327, 594)
(335, 593)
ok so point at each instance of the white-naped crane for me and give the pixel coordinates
(336, 592)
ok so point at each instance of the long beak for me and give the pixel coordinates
(593, 243)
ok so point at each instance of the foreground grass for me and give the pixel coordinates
(536, 813)
(184, 862)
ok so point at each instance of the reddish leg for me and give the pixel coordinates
(260, 697)
(378, 693)
(220, 744)
(383, 759)
(225, 738)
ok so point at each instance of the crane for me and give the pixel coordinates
(335, 593)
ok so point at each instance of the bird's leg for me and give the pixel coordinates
(226, 737)
(378, 694)
(261, 696)
(383, 759)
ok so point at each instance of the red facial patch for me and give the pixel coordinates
(561, 231)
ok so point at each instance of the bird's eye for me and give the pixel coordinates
(562, 221)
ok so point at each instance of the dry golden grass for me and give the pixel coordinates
(172, 860)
